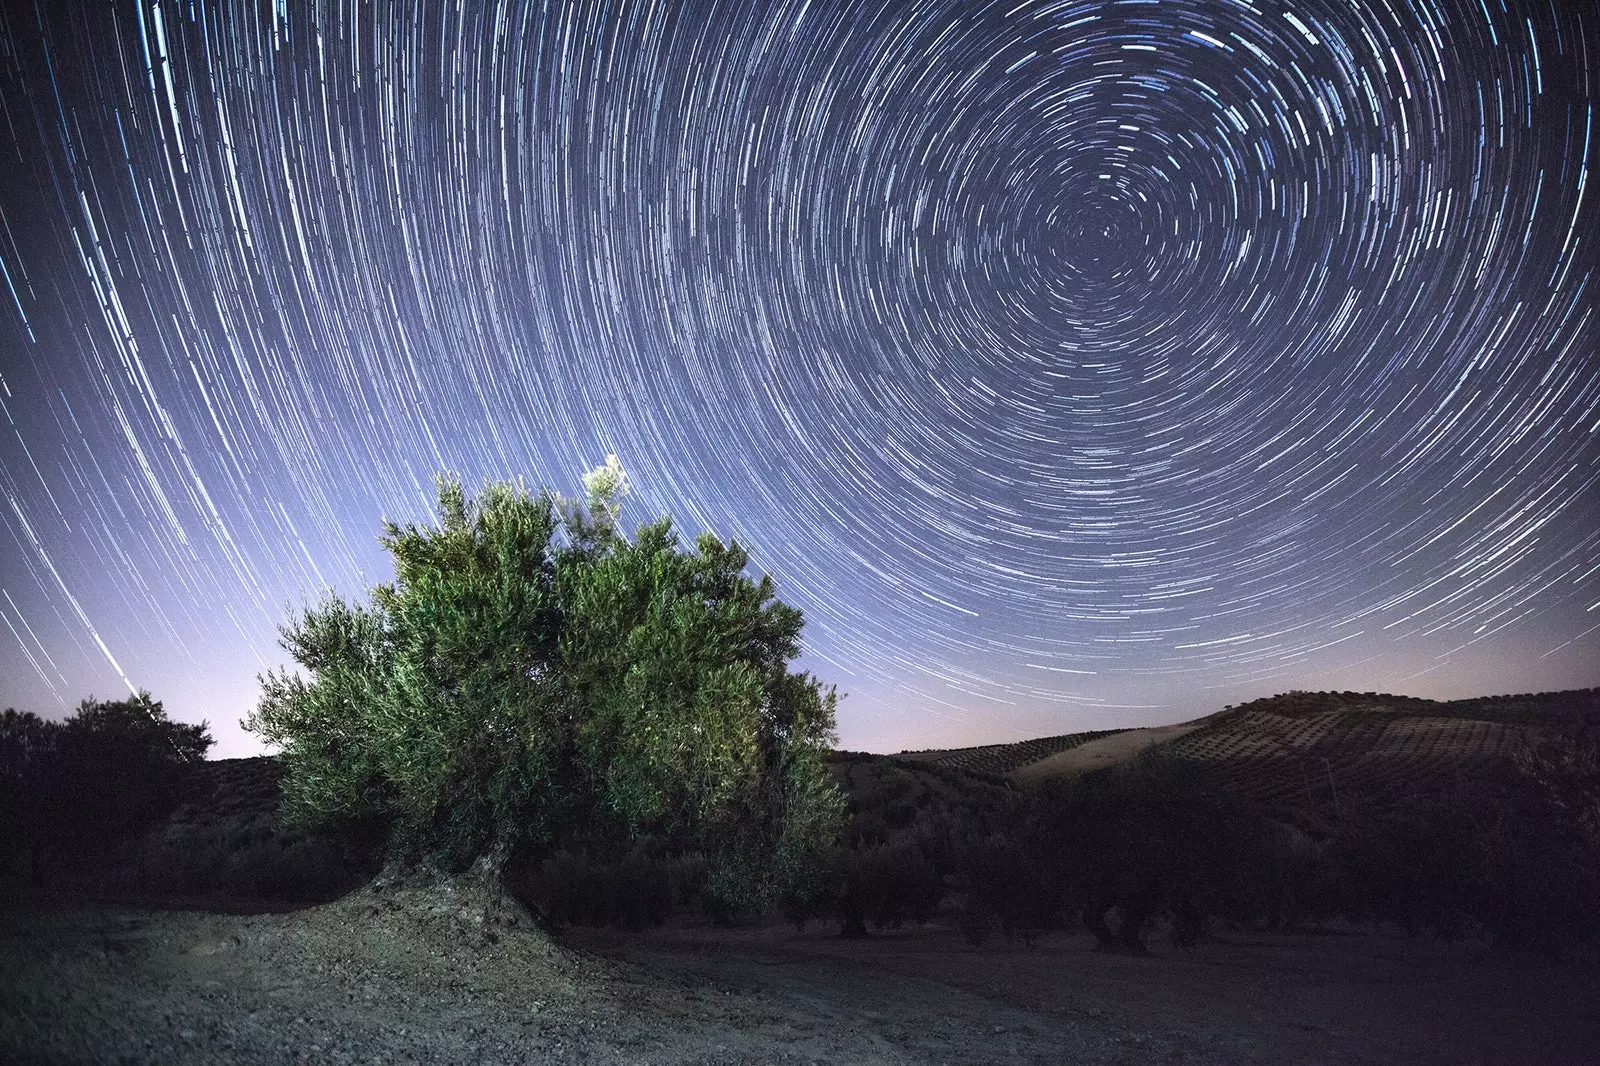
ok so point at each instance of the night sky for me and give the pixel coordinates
(1070, 364)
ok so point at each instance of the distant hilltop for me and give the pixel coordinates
(1301, 748)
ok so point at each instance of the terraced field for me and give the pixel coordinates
(1003, 759)
(1317, 752)
(1340, 757)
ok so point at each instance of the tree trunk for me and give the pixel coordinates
(1135, 913)
(473, 903)
(1094, 917)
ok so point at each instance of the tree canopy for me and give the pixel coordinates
(69, 788)
(532, 678)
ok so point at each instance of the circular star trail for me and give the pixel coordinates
(1069, 363)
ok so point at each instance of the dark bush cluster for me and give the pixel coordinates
(72, 790)
(885, 884)
(1119, 852)
(1491, 858)
(635, 888)
(1156, 845)
(901, 854)
(245, 860)
(1153, 843)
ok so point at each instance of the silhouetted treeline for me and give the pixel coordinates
(1116, 852)
(118, 800)
(69, 790)
(1157, 847)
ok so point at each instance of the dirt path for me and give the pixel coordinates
(338, 985)
(345, 984)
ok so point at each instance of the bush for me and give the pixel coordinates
(1129, 846)
(300, 868)
(532, 679)
(633, 890)
(180, 860)
(885, 884)
(1415, 864)
(1277, 877)
(1008, 888)
(1565, 771)
(72, 790)
(1490, 857)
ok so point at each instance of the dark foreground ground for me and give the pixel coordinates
(351, 982)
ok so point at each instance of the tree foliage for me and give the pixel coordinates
(1565, 769)
(69, 789)
(533, 679)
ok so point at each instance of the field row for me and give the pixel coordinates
(1004, 758)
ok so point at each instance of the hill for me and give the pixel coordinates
(1302, 755)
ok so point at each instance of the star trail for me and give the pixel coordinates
(1070, 364)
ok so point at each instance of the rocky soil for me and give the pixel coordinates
(375, 979)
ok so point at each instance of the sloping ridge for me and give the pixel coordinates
(1008, 758)
(1310, 747)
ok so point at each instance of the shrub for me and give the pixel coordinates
(297, 868)
(1489, 857)
(633, 889)
(1133, 844)
(72, 790)
(1565, 771)
(885, 884)
(1007, 889)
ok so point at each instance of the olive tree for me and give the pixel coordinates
(534, 679)
(71, 789)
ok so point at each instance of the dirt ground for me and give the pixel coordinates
(351, 982)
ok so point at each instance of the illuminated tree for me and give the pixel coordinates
(532, 679)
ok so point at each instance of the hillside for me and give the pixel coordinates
(1325, 764)
(1306, 753)
(984, 904)
(1300, 755)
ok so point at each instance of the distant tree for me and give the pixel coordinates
(131, 758)
(137, 728)
(1566, 771)
(70, 789)
(533, 681)
(1137, 842)
(25, 740)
